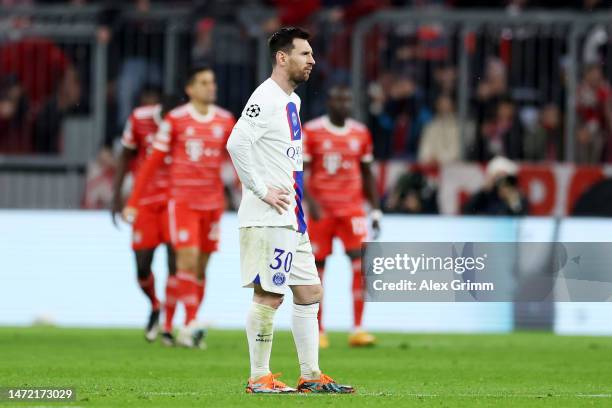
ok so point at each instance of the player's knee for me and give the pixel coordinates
(187, 260)
(143, 271)
(305, 295)
(144, 258)
(317, 293)
(267, 299)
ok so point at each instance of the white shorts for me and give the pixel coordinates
(276, 257)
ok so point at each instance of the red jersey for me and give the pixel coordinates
(335, 155)
(196, 144)
(139, 134)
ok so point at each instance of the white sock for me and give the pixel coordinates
(305, 330)
(260, 330)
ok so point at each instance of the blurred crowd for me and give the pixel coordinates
(411, 89)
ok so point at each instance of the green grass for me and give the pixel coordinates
(116, 368)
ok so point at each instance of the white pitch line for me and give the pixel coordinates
(417, 395)
(383, 394)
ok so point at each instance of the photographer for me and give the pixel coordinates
(500, 195)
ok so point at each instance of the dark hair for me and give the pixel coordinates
(195, 70)
(340, 85)
(282, 40)
(151, 89)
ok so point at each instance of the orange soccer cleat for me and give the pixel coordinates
(323, 340)
(361, 339)
(268, 384)
(324, 385)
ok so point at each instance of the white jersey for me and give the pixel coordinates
(266, 149)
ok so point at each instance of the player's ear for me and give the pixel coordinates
(281, 57)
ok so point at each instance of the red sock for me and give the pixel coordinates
(148, 287)
(201, 291)
(357, 292)
(188, 294)
(320, 314)
(170, 304)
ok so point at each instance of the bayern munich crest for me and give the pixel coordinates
(253, 111)
(278, 278)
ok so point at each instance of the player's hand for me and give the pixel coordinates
(129, 214)
(375, 229)
(376, 216)
(278, 199)
(116, 207)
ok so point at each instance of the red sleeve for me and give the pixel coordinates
(367, 155)
(128, 138)
(145, 174)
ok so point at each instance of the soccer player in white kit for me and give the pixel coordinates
(275, 252)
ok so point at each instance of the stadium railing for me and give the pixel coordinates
(401, 46)
(114, 58)
(543, 53)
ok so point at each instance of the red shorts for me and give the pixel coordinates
(352, 231)
(194, 228)
(150, 227)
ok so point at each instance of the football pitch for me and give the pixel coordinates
(117, 368)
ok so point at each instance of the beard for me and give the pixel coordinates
(298, 76)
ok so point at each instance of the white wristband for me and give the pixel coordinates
(376, 215)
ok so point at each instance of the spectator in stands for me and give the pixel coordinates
(502, 134)
(441, 140)
(589, 145)
(445, 82)
(14, 126)
(491, 89)
(39, 65)
(594, 107)
(49, 82)
(412, 194)
(47, 127)
(545, 141)
(405, 105)
(137, 43)
(500, 194)
(380, 122)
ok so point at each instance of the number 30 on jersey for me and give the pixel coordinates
(282, 259)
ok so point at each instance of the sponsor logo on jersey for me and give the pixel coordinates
(217, 132)
(279, 279)
(294, 152)
(194, 149)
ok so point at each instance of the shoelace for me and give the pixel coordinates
(325, 379)
(276, 383)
